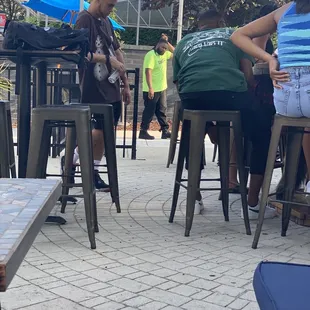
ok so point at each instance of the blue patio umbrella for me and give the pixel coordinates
(64, 10)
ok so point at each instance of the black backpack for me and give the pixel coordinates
(22, 36)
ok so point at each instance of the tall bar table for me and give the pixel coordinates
(41, 60)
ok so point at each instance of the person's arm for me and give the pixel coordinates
(148, 65)
(123, 75)
(148, 76)
(84, 22)
(120, 58)
(243, 38)
(261, 42)
(170, 46)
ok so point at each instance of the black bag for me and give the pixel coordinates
(22, 36)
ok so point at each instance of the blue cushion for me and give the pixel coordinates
(282, 286)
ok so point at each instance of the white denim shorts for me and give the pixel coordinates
(293, 100)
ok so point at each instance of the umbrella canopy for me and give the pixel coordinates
(65, 11)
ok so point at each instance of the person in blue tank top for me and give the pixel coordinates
(291, 70)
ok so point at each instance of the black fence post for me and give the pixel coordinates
(135, 114)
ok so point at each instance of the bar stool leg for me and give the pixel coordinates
(204, 160)
(294, 143)
(4, 154)
(69, 153)
(174, 133)
(11, 145)
(184, 145)
(224, 151)
(38, 156)
(84, 139)
(214, 153)
(197, 135)
(242, 174)
(110, 154)
(276, 133)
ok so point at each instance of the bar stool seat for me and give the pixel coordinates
(295, 127)
(78, 121)
(193, 135)
(7, 156)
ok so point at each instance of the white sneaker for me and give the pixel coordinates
(254, 212)
(199, 207)
(307, 188)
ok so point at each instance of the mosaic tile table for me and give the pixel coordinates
(24, 207)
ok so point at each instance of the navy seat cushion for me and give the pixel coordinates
(282, 286)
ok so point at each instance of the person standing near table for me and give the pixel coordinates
(105, 58)
(155, 85)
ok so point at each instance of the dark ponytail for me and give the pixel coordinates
(302, 6)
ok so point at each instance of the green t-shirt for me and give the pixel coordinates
(158, 64)
(207, 61)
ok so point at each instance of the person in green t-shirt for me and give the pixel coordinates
(154, 88)
(211, 73)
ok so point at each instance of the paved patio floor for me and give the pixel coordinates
(142, 261)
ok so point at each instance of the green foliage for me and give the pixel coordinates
(5, 84)
(12, 8)
(117, 33)
(147, 36)
(34, 20)
(234, 12)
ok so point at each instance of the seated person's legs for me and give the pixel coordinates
(253, 126)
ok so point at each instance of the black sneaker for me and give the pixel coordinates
(145, 135)
(100, 184)
(71, 178)
(166, 134)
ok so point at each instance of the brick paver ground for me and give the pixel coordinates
(142, 261)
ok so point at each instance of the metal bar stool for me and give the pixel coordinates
(7, 156)
(295, 128)
(79, 121)
(193, 131)
(110, 149)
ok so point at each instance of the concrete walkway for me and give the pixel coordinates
(142, 261)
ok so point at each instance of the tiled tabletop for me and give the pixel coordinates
(24, 206)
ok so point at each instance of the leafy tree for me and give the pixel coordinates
(12, 8)
(234, 12)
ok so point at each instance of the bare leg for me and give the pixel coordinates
(256, 182)
(98, 144)
(306, 148)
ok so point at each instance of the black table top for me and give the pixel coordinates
(50, 57)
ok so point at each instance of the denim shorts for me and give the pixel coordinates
(293, 100)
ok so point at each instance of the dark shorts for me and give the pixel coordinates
(98, 118)
(264, 89)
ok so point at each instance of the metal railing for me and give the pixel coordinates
(63, 88)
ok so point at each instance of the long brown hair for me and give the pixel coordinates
(302, 6)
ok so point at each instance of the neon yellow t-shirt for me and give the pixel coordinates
(158, 64)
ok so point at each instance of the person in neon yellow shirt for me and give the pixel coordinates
(154, 88)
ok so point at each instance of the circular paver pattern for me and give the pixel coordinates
(142, 261)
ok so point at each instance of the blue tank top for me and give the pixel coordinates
(294, 39)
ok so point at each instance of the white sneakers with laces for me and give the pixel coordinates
(199, 207)
(254, 212)
(307, 188)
